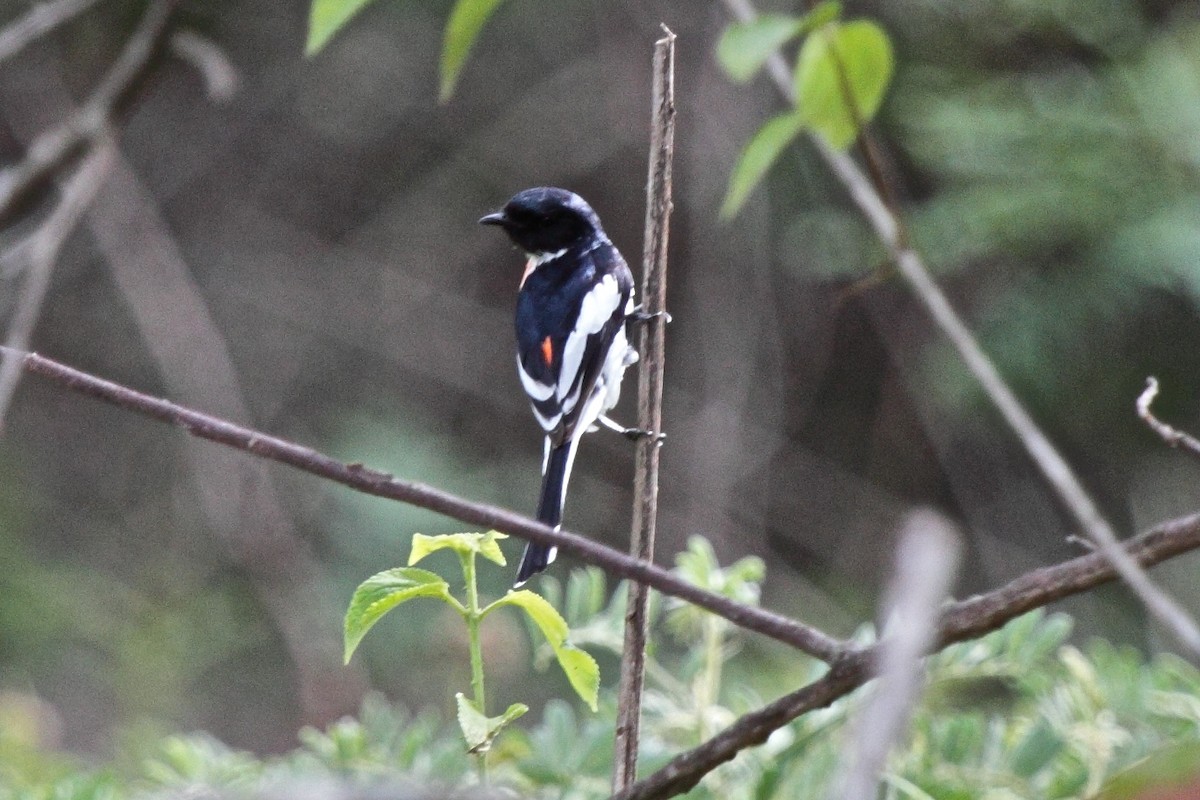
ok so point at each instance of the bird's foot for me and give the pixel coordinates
(632, 434)
(639, 314)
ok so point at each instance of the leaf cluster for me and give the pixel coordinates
(842, 71)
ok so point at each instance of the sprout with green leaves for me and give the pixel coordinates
(386, 590)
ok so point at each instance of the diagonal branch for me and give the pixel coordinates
(650, 395)
(39, 20)
(369, 481)
(39, 252)
(965, 619)
(889, 229)
(53, 147)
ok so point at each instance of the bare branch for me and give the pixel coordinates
(650, 393)
(966, 619)
(220, 76)
(53, 147)
(1172, 436)
(39, 20)
(39, 252)
(369, 481)
(1054, 468)
(926, 561)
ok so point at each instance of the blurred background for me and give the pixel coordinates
(304, 258)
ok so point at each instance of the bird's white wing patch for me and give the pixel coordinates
(534, 388)
(595, 310)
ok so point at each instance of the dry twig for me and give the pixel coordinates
(650, 392)
(1172, 436)
(220, 76)
(39, 252)
(369, 481)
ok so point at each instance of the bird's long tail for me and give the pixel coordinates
(554, 488)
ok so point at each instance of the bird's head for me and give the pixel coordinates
(546, 220)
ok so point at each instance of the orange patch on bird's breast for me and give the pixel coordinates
(548, 351)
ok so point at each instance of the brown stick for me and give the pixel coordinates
(369, 481)
(40, 253)
(650, 392)
(1172, 436)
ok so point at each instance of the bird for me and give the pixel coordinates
(574, 301)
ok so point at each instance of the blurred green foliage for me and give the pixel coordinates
(1018, 713)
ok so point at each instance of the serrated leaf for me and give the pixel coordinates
(839, 64)
(327, 17)
(580, 668)
(467, 19)
(480, 731)
(485, 544)
(382, 592)
(759, 155)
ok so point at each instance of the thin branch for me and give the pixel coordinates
(53, 147)
(650, 393)
(220, 77)
(369, 481)
(966, 619)
(1054, 468)
(39, 20)
(40, 252)
(926, 560)
(1172, 436)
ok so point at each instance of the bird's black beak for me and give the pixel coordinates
(496, 218)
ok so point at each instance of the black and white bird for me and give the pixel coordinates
(575, 298)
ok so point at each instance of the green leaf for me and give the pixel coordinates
(467, 19)
(480, 731)
(485, 544)
(1039, 746)
(745, 46)
(381, 593)
(822, 14)
(757, 158)
(842, 62)
(580, 668)
(327, 17)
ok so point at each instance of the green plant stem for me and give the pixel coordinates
(473, 618)
(710, 679)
